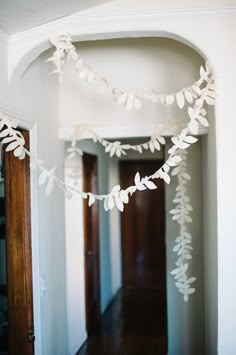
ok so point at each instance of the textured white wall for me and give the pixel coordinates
(115, 230)
(210, 235)
(3, 71)
(75, 282)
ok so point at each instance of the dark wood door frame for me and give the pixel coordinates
(19, 258)
(91, 243)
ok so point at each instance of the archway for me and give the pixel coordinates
(207, 146)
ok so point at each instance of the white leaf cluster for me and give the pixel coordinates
(181, 214)
(47, 177)
(11, 137)
(132, 99)
(128, 99)
(65, 48)
(115, 148)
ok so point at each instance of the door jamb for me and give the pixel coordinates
(31, 125)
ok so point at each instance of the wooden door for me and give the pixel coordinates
(18, 247)
(143, 230)
(91, 243)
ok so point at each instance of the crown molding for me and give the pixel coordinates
(94, 19)
(4, 37)
(121, 132)
(23, 120)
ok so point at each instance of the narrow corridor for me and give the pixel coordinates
(134, 323)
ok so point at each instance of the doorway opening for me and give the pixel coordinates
(139, 309)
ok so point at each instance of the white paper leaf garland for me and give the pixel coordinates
(181, 214)
(129, 99)
(195, 96)
(12, 138)
(115, 148)
(120, 197)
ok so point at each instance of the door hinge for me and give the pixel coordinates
(30, 336)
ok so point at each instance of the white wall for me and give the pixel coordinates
(37, 97)
(210, 235)
(115, 231)
(75, 277)
(3, 66)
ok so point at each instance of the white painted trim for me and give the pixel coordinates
(77, 346)
(97, 19)
(31, 125)
(23, 120)
(35, 247)
(4, 37)
(25, 46)
(112, 132)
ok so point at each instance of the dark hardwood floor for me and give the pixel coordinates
(134, 323)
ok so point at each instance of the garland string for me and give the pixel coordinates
(131, 99)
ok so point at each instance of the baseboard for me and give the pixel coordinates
(78, 344)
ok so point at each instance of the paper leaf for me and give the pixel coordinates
(137, 178)
(203, 121)
(156, 144)
(170, 99)
(175, 171)
(4, 133)
(116, 188)
(43, 177)
(12, 146)
(124, 196)
(119, 203)
(188, 96)
(180, 99)
(92, 199)
(190, 139)
(164, 176)
(161, 140)
(111, 203)
(151, 147)
(150, 185)
(18, 151)
(130, 101)
(176, 159)
(106, 207)
(8, 139)
(122, 98)
(137, 103)
(193, 126)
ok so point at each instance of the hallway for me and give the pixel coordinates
(134, 323)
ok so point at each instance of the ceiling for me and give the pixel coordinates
(20, 15)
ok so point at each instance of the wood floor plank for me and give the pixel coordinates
(134, 324)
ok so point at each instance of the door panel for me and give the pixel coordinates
(143, 230)
(91, 243)
(18, 246)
